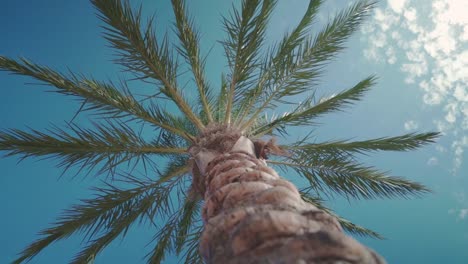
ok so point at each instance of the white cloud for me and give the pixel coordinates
(458, 147)
(397, 5)
(442, 126)
(415, 69)
(461, 93)
(372, 54)
(396, 35)
(452, 111)
(410, 14)
(433, 161)
(454, 12)
(440, 148)
(411, 125)
(463, 213)
(464, 35)
(429, 40)
(391, 55)
(461, 209)
(460, 196)
(433, 98)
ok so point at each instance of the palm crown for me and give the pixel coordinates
(259, 79)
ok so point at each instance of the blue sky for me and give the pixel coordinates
(417, 48)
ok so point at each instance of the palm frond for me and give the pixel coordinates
(306, 111)
(111, 212)
(164, 244)
(117, 227)
(188, 216)
(140, 52)
(157, 200)
(346, 224)
(260, 122)
(405, 142)
(190, 51)
(99, 95)
(177, 166)
(296, 71)
(245, 37)
(336, 174)
(172, 237)
(222, 100)
(286, 47)
(192, 254)
(108, 145)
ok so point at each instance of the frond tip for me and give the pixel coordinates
(346, 224)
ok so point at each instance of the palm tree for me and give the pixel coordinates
(223, 143)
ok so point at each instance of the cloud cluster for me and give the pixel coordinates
(461, 213)
(429, 41)
(432, 161)
(411, 125)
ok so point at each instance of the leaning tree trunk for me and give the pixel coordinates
(252, 215)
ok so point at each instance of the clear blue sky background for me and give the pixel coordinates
(417, 48)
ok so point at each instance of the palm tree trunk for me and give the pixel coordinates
(252, 215)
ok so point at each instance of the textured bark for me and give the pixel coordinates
(252, 215)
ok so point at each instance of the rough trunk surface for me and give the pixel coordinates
(252, 215)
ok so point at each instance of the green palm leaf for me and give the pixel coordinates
(141, 53)
(295, 72)
(222, 100)
(286, 48)
(405, 142)
(190, 51)
(306, 111)
(99, 95)
(111, 211)
(109, 145)
(173, 236)
(192, 254)
(346, 224)
(246, 34)
(335, 175)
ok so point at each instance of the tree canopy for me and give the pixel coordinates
(261, 76)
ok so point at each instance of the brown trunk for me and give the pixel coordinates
(252, 215)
